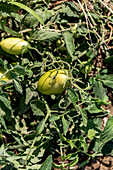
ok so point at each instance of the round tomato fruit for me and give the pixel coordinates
(5, 77)
(58, 43)
(53, 82)
(14, 45)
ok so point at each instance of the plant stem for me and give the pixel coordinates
(35, 139)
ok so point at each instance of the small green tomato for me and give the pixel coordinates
(14, 45)
(86, 69)
(58, 43)
(53, 82)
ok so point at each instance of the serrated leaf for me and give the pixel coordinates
(5, 102)
(19, 69)
(36, 106)
(67, 10)
(44, 35)
(68, 37)
(84, 116)
(99, 90)
(17, 85)
(3, 123)
(16, 82)
(54, 117)
(65, 125)
(47, 164)
(107, 79)
(28, 10)
(73, 96)
(8, 30)
(30, 93)
(41, 126)
(107, 133)
(92, 108)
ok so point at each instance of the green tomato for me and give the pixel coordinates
(87, 69)
(52, 82)
(5, 77)
(14, 45)
(58, 43)
(74, 28)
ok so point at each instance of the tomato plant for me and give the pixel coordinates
(86, 69)
(14, 45)
(53, 82)
(66, 123)
(6, 77)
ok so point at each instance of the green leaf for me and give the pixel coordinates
(16, 82)
(107, 79)
(36, 106)
(67, 10)
(7, 8)
(45, 35)
(107, 133)
(65, 125)
(41, 126)
(47, 165)
(47, 1)
(28, 10)
(30, 93)
(8, 30)
(73, 96)
(91, 134)
(68, 37)
(57, 166)
(92, 108)
(99, 90)
(19, 69)
(5, 101)
(54, 117)
(84, 116)
(74, 162)
(1, 62)
(3, 123)
(84, 163)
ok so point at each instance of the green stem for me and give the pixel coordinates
(61, 150)
(35, 139)
(33, 48)
(6, 73)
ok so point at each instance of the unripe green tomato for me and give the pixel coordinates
(62, 48)
(58, 43)
(6, 77)
(14, 45)
(52, 82)
(74, 29)
(87, 69)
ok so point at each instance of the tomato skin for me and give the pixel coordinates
(49, 85)
(6, 77)
(14, 45)
(58, 43)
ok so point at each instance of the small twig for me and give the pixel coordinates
(106, 6)
(57, 3)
